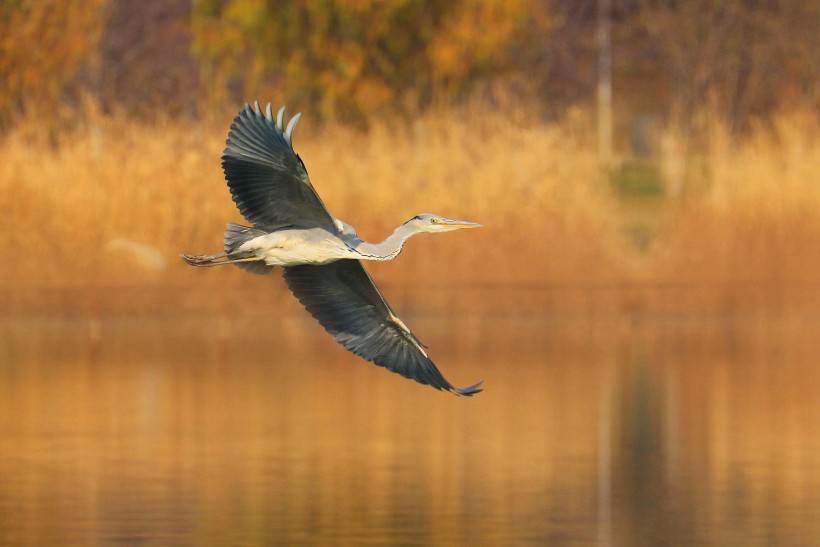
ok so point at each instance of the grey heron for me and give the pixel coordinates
(321, 255)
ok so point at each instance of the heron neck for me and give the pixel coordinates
(389, 248)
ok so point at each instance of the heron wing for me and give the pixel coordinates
(342, 297)
(268, 181)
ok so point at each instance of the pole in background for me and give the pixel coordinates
(605, 82)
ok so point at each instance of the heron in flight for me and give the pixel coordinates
(321, 255)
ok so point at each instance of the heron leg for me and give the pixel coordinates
(203, 260)
(207, 261)
(235, 260)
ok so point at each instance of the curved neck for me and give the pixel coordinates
(389, 248)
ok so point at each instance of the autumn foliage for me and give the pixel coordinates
(352, 59)
(43, 46)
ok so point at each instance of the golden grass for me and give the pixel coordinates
(64, 204)
(757, 215)
(535, 187)
(116, 202)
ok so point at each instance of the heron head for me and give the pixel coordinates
(434, 223)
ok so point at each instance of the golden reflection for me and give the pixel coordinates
(612, 431)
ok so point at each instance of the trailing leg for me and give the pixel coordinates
(207, 261)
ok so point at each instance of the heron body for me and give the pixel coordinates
(321, 255)
(291, 247)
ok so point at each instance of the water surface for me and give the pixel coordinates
(232, 429)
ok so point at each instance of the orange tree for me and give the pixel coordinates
(350, 57)
(43, 43)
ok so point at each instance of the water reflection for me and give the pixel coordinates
(260, 430)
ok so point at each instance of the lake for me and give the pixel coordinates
(238, 428)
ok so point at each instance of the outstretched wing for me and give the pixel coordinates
(343, 298)
(268, 181)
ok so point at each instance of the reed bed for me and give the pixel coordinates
(115, 202)
(756, 215)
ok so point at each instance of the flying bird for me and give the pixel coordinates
(321, 255)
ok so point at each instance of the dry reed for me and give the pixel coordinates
(757, 217)
(114, 203)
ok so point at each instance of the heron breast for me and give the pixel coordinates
(295, 247)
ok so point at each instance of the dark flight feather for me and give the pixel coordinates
(342, 297)
(267, 179)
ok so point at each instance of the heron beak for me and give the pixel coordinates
(458, 224)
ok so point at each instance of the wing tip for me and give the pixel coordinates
(468, 391)
(256, 112)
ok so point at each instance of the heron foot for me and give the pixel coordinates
(215, 260)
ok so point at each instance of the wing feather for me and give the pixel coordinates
(342, 297)
(267, 179)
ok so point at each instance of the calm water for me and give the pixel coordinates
(260, 430)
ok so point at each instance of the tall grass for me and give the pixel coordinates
(116, 202)
(160, 188)
(756, 215)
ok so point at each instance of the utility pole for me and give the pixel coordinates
(605, 82)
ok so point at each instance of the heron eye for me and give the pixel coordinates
(435, 221)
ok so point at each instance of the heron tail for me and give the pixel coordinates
(235, 236)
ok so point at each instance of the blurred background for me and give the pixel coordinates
(643, 302)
